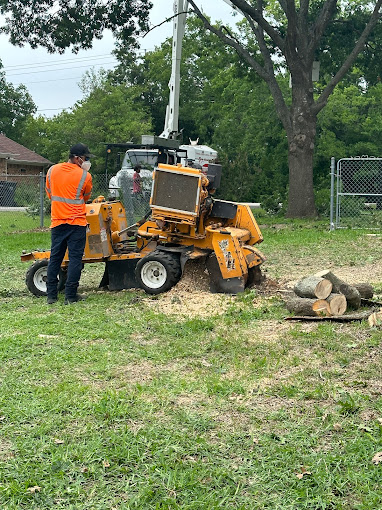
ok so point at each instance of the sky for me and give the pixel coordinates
(52, 79)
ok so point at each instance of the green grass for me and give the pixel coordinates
(111, 403)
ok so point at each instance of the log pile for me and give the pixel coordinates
(325, 295)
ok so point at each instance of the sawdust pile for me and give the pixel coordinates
(191, 296)
(195, 278)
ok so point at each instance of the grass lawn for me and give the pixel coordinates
(118, 402)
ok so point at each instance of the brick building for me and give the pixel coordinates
(19, 166)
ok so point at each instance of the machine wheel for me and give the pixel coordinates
(36, 278)
(158, 272)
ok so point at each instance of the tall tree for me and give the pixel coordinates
(288, 38)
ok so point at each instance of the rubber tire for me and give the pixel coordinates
(40, 269)
(170, 263)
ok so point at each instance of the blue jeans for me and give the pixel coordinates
(73, 238)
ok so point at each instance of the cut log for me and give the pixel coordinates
(337, 303)
(306, 306)
(352, 295)
(313, 287)
(365, 290)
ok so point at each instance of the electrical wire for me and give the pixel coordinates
(54, 109)
(54, 62)
(18, 67)
(60, 69)
(47, 81)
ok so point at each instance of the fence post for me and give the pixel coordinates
(42, 199)
(332, 170)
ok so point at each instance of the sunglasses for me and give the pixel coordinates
(84, 158)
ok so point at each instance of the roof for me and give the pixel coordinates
(17, 152)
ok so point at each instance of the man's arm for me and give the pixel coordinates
(47, 183)
(88, 187)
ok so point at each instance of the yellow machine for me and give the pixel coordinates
(185, 222)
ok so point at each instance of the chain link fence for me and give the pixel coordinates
(26, 194)
(358, 194)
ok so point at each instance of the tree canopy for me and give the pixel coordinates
(60, 24)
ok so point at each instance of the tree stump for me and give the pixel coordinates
(337, 304)
(352, 295)
(365, 289)
(306, 306)
(313, 287)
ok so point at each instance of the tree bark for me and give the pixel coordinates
(301, 143)
(305, 306)
(340, 287)
(313, 287)
(335, 318)
(365, 289)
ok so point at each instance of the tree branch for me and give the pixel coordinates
(257, 16)
(321, 23)
(304, 8)
(291, 46)
(266, 73)
(322, 100)
(163, 22)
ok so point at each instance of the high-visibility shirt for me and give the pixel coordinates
(69, 187)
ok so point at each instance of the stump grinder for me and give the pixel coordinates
(185, 222)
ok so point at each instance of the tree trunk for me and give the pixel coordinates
(301, 141)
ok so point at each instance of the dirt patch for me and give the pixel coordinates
(6, 450)
(191, 304)
(134, 373)
(270, 331)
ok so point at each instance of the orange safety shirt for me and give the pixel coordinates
(69, 187)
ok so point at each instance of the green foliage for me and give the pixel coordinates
(107, 114)
(16, 107)
(322, 198)
(67, 24)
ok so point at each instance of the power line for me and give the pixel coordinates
(60, 69)
(54, 109)
(54, 62)
(47, 81)
(58, 62)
